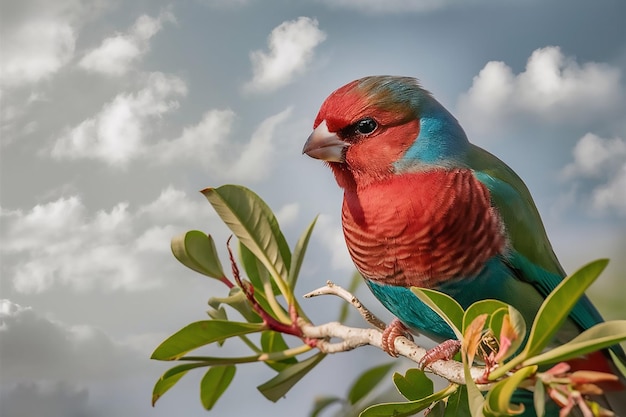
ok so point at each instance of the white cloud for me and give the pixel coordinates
(209, 144)
(598, 172)
(37, 49)
(61, 243)
(174, 206)
(48, 366)
(116, 134)
(14, 120)
(117, 53)
(35, 347)
(612, 195)
(389, 6)
(291, 46)
(331, 235)
(156, 239)
(256, 156)
(58, 399)
(287, 214)
(551, 88)
(39, 37)
(594, 156)
(204, 141)
(43, 223)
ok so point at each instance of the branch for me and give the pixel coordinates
(333, 289)
(351, 338)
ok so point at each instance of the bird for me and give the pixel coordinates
(424, 207)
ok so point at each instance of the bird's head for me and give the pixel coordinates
(379, 126)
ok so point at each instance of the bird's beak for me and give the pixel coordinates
(325, 145)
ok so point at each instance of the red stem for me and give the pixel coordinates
(271, 323)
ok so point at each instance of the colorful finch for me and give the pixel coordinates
(424, 207)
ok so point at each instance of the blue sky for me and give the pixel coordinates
(114, 115)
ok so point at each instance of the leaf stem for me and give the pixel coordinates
(261, 357)
(285, 324)
(277, 309)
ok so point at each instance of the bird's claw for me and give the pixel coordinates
(394, 330)
(443, 351)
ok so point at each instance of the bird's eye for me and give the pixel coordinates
(359, 129)
(365, 126)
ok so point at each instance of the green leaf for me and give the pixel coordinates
(619, 362)
(498, 401)
(256, 227)
(257, 273)
(445, 306)
(458, 404)
(539, 398)
(272, 341)
(414, 385)
(277, 387)
(199, 334)
(265, 288)
(519, 326)
(497, 310)
(553, 312)
(367, 381)
(183, 368)
(163, 385)
(407, 409)
(217, 313)
(237, 300)
(475, 399)
(214, 383)
(558, 305)
(598, 337)
(472, 338)
(488, 307)
(196, 250)
(219, 360)
(322, 403)
(170, 378)
(495, 320)
(298, 254)
(260, 280)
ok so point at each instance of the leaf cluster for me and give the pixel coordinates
(265, 300)
(491, 332)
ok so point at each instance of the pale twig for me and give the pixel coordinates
(333, 289)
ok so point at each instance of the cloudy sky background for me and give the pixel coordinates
(114, 115)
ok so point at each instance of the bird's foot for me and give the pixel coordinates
(394, 330)
(443, 351)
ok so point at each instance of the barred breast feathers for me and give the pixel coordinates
(422, 229)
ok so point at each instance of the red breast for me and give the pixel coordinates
(423, 228)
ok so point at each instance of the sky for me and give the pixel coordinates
(114, 114)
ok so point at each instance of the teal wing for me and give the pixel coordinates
(532, 256)
(511, 197)
(532, 259)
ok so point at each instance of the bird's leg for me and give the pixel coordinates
(443, 351)
(394, 330)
